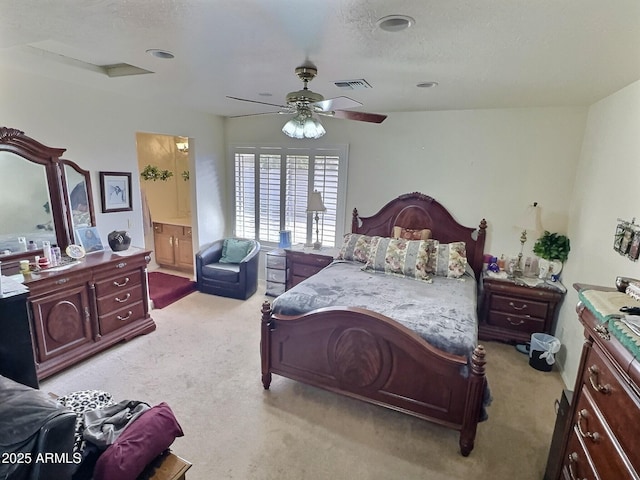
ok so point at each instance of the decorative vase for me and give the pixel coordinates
(119, 240)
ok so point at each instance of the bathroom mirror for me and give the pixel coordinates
(38, 192)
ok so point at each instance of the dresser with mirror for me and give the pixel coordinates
(84, 305)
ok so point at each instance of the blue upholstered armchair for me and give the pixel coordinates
(228, 268)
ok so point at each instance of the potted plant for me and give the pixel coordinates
(553, 249)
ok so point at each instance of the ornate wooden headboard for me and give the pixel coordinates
(417, 211)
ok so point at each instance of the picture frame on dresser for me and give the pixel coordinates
(115, 192)
(89, 239)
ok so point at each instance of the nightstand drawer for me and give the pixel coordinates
(312, 259)
(520, 323)
(519, 306)
(278, 262)
(303, 270)
(279, 276)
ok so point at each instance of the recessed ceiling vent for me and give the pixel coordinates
(352, 84)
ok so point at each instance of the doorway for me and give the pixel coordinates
(165, 184)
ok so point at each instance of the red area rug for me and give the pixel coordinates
(164, 289)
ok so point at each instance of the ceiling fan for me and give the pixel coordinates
(303, 104)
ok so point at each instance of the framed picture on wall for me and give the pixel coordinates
(115, 189)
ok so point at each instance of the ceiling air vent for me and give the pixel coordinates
(352, 84)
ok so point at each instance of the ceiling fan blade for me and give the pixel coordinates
(255, 114)
(337, 103)
(256, 101)
(360, 116)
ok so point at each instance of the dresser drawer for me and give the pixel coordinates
(311, 259)
(276, 261)
(120, 318)
(118, 283)
(618, 404)
(118, 300)
(519, 306)
(304, 270)
(598, 440)
(517, 322)
(279, 276)
(577, 464)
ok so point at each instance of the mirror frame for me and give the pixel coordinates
(15, 141)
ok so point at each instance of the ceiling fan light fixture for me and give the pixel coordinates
(303, 125)
(395, 23)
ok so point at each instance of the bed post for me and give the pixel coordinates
(478, 253)
(265, 344)
(475, 397)
(354, 220)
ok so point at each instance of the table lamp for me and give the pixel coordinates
(529, 221)
(315, 205)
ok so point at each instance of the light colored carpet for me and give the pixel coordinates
(204, 361)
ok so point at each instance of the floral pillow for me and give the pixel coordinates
(411, 234)
(356, 247)
(451, 259)
(397, 256)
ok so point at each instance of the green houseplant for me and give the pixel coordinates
(552, 246)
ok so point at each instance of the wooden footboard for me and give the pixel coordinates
(365, 355)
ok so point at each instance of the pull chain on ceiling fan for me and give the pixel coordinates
(303, 104)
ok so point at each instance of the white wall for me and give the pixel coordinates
(479, 164)
(606, 189)
(98, 129)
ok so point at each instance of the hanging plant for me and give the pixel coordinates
(552, 246)
(185, 175)
(151, 172)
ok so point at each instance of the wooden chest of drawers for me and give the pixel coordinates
(77, 312)
(603, 439)
(511, 312)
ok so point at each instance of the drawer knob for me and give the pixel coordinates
(126, 280)
(514, 323)
(122, 300)
(516, 307)
(584, 415)
(573, 458)
(595, 383)
(126, 317)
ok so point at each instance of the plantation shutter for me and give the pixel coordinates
(245, 195)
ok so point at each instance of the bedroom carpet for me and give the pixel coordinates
(164, 288)
(203, 360)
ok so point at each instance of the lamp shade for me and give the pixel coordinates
(315, 202)
(530, 219)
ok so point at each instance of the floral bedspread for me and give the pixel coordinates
(442, 312)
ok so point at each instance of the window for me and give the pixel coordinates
(272, 186)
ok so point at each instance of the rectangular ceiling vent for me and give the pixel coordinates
(352, 84)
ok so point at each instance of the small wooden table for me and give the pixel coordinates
(172, 468)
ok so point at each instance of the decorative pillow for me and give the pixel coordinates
(233, 250)
(356, 247)
(411, 234)
(451, 259)
(142, 441)
(397, 256)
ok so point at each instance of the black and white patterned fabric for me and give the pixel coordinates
(80, 402)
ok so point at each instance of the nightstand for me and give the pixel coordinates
(302, 262)
(512, 309)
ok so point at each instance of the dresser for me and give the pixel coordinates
(84, 308)
(511, 311)
(603, 438)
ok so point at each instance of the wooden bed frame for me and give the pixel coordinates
(368, 356)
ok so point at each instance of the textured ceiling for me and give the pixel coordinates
(483, 53)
